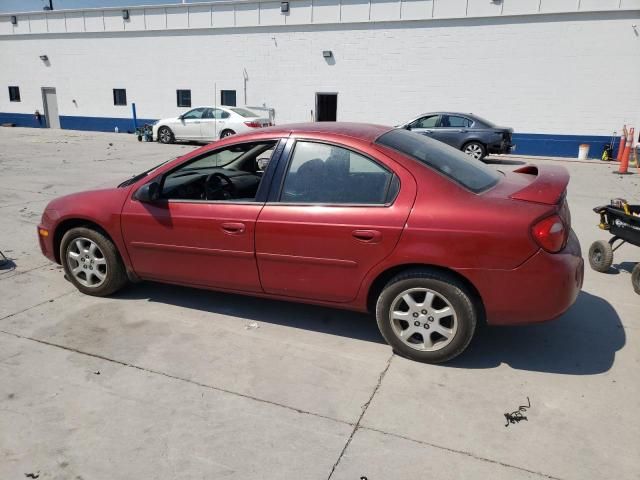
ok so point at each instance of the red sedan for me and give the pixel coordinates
(354, 216)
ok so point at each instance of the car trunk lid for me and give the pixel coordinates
(548, 184)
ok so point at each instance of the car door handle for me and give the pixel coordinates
(461, 131)
(427, 131)
(367, 236)
(233, 228)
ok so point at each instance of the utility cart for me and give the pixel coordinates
(623, 222)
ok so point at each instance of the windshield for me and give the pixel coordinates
(458, 166)
(244, 112)
(137, 177)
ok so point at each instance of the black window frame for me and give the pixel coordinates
(392, 188)
(14, 93)
(180, 100)
(469, 121)
(117, 99)
(235, 98)
(438, 119)
(265, 183)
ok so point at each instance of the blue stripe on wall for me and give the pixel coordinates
(100, 124)
(526, 143)
(560, 145)
(22, 120)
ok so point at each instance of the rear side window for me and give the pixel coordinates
(244, 112)
(322, 173)
(469, 173)
(455, 121)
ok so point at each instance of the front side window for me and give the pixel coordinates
(322, 173)
(14, 94)
(231, 173)
(119, 96)
(458, 166)
(454, 121)
(425, 122)
(195, 114)
(184, 98)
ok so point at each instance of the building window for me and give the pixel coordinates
(119, 96)
(228, 98)
(184, 98)
(14, 94)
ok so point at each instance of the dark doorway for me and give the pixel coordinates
(326, 107)
(228, 98)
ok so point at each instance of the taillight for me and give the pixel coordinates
(551, 233)
(253, 124)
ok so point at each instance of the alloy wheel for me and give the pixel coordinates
(165, 135)
(423, 319)
(473, 150)
(87, 263)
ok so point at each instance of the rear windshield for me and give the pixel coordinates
(458, 166)
(244, 112)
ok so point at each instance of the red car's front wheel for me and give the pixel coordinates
(92, 262)
(426, 316)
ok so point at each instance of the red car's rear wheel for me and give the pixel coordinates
(426, 316)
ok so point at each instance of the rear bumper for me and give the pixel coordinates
(501, 148)
(541, 289)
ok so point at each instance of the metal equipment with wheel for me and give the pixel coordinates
(623, 222)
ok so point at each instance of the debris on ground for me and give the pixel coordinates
(97, 372)
(32, 475)
(517, 415)
(251, 326)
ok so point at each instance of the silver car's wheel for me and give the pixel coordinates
(474, 150)
(423, 319)
(87, 263)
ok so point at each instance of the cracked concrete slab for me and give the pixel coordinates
(377, 455)
(315, 359)
(80, 417)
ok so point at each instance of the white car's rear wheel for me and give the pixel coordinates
(227, 133)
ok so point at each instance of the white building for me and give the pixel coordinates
(560, 72)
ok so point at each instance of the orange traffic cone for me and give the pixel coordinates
(624, 161)
(621, 145)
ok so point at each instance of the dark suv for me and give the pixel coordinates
(473, 135)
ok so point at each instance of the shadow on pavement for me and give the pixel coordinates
(583, 341)
(502, 161)
(330, 321)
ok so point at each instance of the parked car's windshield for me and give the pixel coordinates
(458, 166)
(244, 112)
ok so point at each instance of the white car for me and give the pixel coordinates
(207, 124)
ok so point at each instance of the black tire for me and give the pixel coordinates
(635, 278)
(114, 271)
(227, 133)
(165, 135)
(448, 287)
(600, 256)
(475, 150)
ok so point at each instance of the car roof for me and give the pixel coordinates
(363, 131)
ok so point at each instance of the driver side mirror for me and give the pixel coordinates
(181, 117)
(148, 193)
(407, 127)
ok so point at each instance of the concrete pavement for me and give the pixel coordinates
(166, 382)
